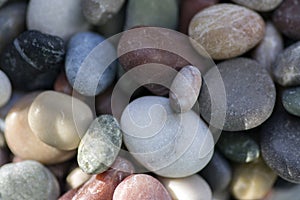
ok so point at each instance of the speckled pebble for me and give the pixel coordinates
(260, 5)
(5, 89)
(291, 100)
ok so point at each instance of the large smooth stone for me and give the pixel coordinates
(23, 142)
(87, 66)
(60, 18)
(27, 180)
(291, 100)
(260, 5)
(166, 143)
(250, 95)
(226, 30)
(5, 89)
(60, 123)
(192, 187)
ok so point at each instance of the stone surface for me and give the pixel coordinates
(226, 30)
(100, 145)
(5, 89)
(140, 186)
(286, 18)
(192, 187)
(291, 100)
(23, 142)
(103, 102)
(250, 95)
(27, 180)
(151, 13)
(60, 18)
(33, 60)
(60, 123)
(62, 85)
(286, 69)
(168, 144)
(185, 89)
(98, 12)
(88, 74)
(12, 18)
(269, 48)
(76, 178)
(252, 181)
(261, 5)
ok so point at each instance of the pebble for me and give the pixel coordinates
(60, 18)
(62, 85)
(96, 74)
(151, 13)
(100, 145)
(141, 186)
(23, 142)
(226, 30)
(269, 48)
(286, 18)
(252, 181)
(192, 187)
(250, 95)
(286, 68)
(103, 102)
(60, 123)
(238, 147)
(185, 89)
(15, 14)
(76, 178)
(33, 54)
(27, 180)
(164, 142)
(5, 89)
(262, 5)
(98, 12)
(291, 100)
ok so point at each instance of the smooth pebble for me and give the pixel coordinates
(76, 178)
(291, 100)
(5, 89)
(261, 5)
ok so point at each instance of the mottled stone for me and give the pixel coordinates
(168, 144)
(33, 60)
(250, 95)
(286, 69)
(261, 5)
(76, 178)
(286, 18)
(291, 100)
(27, 180)
(100, 145)
(5, 89)
(226, 30)
(60, 123)
(185, 89)
(140, 186)
(23, 142)
(192, 187)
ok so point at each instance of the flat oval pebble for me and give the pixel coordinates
(185, 89)
(250, 95)
(166, 143)
(286, 69)
(76, 178)
(5, 89)
(141, 186)
(286, 18)
(261, 5)
(27, 180)
(100, 145)
(226, 30)
(291, 100)
(98, 74)
(192, 188)
(60, 123)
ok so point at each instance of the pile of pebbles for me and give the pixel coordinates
(149, 99)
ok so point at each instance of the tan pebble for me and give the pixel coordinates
(77, 177)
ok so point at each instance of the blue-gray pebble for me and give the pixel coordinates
(291, 100)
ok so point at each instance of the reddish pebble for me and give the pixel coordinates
(62, 85)
(70, 194)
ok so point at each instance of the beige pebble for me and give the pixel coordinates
(77, 177)
(59, 120)
(5, 89)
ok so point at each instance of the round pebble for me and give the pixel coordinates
(226, 30)
(185, 89)
(291, 100)
(250, 95)
(100, 145)
(5, 89)
(60, 123)
(27, 180)
(261, 5)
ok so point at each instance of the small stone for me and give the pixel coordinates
(100, 145)
(88, 74)
(60, 123)
(27, 180)
(62, 85)
(286, 18)
(98, 12)
(185, 89)
(286, 69)
(226, 30)
(261, 5)
(192, 187)
(76, 178)
(291, 100)
(250, 95)
(60, 18)
(141, 186)
(33, 60)
(5, 89)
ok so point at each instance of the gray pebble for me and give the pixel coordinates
(291, 100)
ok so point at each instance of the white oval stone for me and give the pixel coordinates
(5, 89)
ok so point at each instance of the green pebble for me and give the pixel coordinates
(100, 145)
(291, 100)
